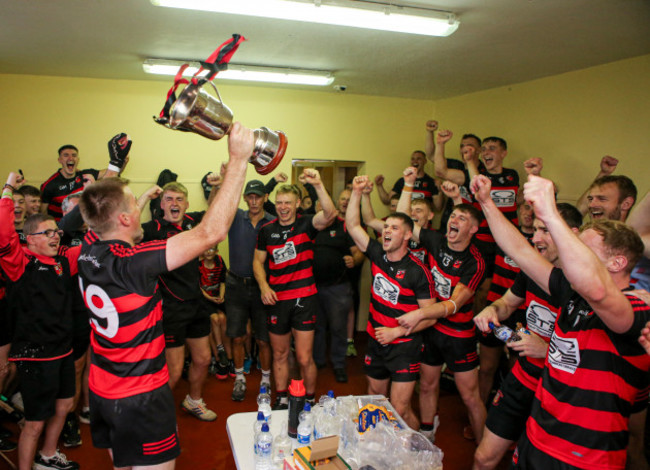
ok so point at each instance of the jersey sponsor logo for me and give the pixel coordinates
(284, 254)
(443, 285)
(275, 235)
(42, 268)
(415, 195)
(63, 187)
(564, 353)
(385, 289)
(503, 197)
(540, 319)
(510, 262)
(90, 259)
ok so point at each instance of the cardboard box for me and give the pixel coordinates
(289, 464)
(321, 455)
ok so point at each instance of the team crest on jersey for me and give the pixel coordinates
(332, 233)
(284, 254)
(385, 289)
(497, 398)
(400, 274)
(540, 319)
(443, 285)
(564, 353)
(58, 269)
(457, 264)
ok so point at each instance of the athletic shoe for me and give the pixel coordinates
(71, 434)
(221, 372)
(279, 405)
(231, 370)
(248, 362)
(58, 462)
(7, 445)
(341, 376)
(429, 435)
(17, 402)
(223, 358)
(239, 391)
(352, 351)
(84, 416)
(212, 368)
(198, 409)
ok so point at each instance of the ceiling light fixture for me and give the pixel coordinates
(253, 73)
(356, 13)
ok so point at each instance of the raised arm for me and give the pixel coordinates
(217, 219)
(440, 162)
(429, 140)
(149, 195)
(383, 194)
(404, 203)
(508, 237)
(328, 210)
(352, 222)
(367, 212)
(608, 165)
(583, 269)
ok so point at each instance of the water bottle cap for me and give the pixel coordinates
(330, 393)
(263, 389)
(265, 427)
(491, 325)
(307, 406)
(260, 416)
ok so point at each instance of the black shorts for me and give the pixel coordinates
(183, 320)
(42, 383)
(488, 251)
(458, 353)
(208, 308)
(398, 362)
(510, 409)
(244, 302)
(529, 457)
(80, 344)
(6, 320)
(492, 341)
(140, 430)
(297, 314)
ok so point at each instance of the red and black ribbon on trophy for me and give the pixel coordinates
(217, 62)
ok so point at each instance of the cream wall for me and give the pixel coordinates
(570, 120)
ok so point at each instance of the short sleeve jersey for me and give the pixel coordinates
(505, 187)
(330, 246)
(591, 382)
(424, 187)
(182, 283)
(449, 268)
(290, 256)
(396, 288)
(57, 187)
(119, 284)
(541, 312)
(211, 278)
(505, 272)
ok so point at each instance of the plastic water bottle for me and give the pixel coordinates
(504, 333)
(305, 427)
(257, 428)
(281, 447)
(264, 444)
(264, 404)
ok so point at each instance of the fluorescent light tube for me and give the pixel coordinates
(369, 15)
(244, 72)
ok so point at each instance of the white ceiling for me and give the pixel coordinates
(499, 42)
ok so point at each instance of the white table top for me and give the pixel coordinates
(240, 433)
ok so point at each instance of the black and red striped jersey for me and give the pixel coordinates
(119, 284)
(505, 272)
(592, 381)
(505, 187)
(57, 187)
(211, 278)
(396, 288)
(541, 312)
(182, 283)
(450, 268)
(40, 294)
(290, 256)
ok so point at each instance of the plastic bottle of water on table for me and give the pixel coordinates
(264, 445)
(257, 428)
(264, 404)
(305, 427)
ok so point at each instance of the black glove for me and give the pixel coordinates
(118, 150)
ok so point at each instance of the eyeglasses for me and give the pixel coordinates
(49, 233)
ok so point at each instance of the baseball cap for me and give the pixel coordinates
(254, 187)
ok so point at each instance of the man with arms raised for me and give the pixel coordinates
(401, 283)
(290, 289)
(595, 372)
(119, 280)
